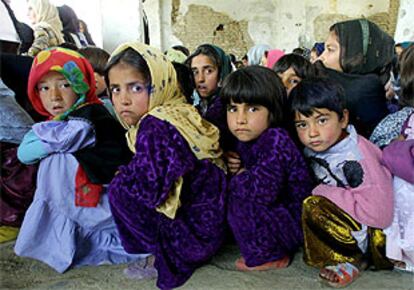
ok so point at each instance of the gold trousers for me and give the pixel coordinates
(328, 239)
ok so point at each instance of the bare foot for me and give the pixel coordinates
(278, 264)
(142, 269)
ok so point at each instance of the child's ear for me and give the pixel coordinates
(345, 118)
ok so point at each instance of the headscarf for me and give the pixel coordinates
(255, 53)
(319, 47)
(68, 18)
(273, 56)
(365, 48)
(168, 103)
(224, 68)
(175, 55)
(74, 67)
(47, 16)
(405, 44)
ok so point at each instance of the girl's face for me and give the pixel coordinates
(246, 121)
(289, 79)
(32, 15)
(313, 56)
(55, 93)
(130, 93)
(331, 56)
(321, 130)
(81, 27)
(100, 83)
(205, 75)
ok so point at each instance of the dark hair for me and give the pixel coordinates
(184, 79)
(69, 45)
(303, 68)
(68, 18)
(98, 58)
(317, 93)
(131, 57)
(298, 50)
(256, 85)
(86, 32)
(407, 77)
(183, 49)
(210, 52)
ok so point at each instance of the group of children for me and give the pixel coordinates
(232, 159)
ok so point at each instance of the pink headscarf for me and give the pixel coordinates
(273, 56)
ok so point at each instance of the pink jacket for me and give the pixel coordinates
(372, 202)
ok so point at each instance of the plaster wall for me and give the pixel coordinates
(285, 24)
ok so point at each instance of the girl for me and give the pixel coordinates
(270, 180)
(47, 27)
(353, 201)
(169, 200)
(210, 65)
(390, 127)
(399, 158)
(256, 53)
(79, 148)
(271, 57)
(358, 55)
(292, 68)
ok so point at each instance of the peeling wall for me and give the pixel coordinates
(284, 24)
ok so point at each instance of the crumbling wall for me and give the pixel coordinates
(283, 24)
(201, 24)
(386, 20)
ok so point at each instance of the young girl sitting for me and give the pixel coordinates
(169, 200)
(79, 148)
(399, 158)
(390, 127)
(354, 198)
(210, 65)
(292, 68)
(271, 179)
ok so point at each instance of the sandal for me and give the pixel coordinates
(403, 267)
(345, 274)
(274, 265)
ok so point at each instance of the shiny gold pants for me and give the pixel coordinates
(328, 240)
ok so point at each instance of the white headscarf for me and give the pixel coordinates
(47, 16)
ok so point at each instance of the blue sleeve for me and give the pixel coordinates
(32, 149)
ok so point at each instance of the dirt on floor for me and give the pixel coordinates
(219, 274)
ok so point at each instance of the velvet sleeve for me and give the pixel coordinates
(398, 157)
(280, 168)
(162, 156)
(371, 203)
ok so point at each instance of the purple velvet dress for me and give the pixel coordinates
(182, 244)
(265, 201)
(216, 114)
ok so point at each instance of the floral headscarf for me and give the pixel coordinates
(74, 67)
(168, 103)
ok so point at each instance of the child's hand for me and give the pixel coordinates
(233, 161)
(400, 138)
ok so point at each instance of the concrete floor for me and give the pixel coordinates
(219, 274)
